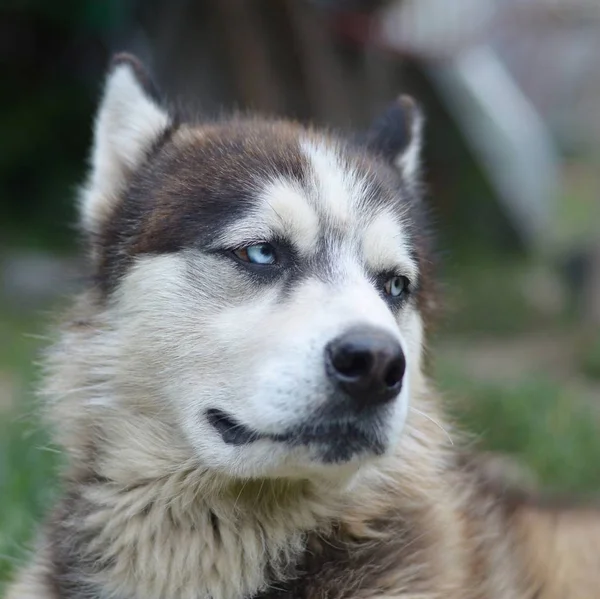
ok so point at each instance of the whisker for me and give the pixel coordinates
(434, 422)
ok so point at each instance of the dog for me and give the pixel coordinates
(241, 391)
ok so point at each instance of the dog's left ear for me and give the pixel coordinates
(398, 136)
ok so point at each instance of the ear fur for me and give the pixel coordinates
(398, 136)
(129, 120)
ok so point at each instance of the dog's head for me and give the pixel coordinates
(264, 281)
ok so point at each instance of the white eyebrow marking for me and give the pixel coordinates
(385, 245)
(339, 189)
(287, 211)
(282, 210)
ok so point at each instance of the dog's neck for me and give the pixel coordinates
(184, 531)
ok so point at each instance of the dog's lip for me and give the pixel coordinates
(232, 432)
(350, 432)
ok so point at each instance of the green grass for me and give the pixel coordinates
(27, 462)
(553, 431)
(26, 467)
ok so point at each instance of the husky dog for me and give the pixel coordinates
(240, 393)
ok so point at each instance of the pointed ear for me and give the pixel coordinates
(398, 136)
(129, 120)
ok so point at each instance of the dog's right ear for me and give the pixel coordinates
(129, 121)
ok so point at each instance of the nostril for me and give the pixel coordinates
(353, 364)
(367, 364)
(395, 372)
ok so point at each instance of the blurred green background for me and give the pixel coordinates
(517, 347)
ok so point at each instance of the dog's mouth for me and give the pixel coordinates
(339, 439)
(231, 431)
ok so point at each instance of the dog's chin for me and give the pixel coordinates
(323, 442)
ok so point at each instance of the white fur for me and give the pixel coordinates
(243, 351)
(127, 124)
(409, 160)
(292, 215)
(337, 190)
(385, 246)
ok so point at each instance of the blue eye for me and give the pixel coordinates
(396, 286)
(260, 253)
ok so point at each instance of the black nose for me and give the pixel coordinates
(367, 363)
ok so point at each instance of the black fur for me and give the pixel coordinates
(391, 134)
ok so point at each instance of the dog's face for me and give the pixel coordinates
(263, 280)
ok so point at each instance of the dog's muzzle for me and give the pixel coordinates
(365, 368)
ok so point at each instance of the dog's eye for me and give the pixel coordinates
(396, 286)
(260, 253)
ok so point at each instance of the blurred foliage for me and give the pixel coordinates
(54, 56)
(483, 296)
(27, 462)
(52, 59)
(536, 421)
(590, 361)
